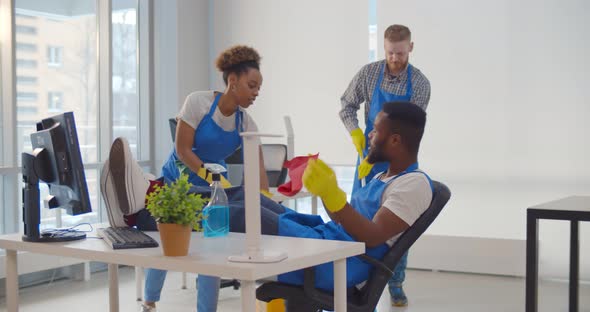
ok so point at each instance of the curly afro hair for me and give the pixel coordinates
(237, 59)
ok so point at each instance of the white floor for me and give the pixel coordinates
(427, 291)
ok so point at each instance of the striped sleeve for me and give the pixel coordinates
(421, 91)
(351, 100)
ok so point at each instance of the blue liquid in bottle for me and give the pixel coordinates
(216, 213)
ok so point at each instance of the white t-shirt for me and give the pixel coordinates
(197, 106)
(407, 196)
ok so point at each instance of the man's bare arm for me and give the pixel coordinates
(385, 224)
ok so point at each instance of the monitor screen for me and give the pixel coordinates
(56, 160)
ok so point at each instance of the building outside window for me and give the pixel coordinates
(26, 47)
(22, 63)
(26, 80)
(55, 101)
(27, 30)
(26, 96)
(54, 85)
(54, 56)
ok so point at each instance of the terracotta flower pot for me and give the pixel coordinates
(175, 239)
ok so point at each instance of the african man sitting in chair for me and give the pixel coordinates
(377, 215)
(379, 212)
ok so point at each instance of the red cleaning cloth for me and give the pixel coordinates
(296, 167)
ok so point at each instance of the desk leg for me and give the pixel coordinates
(532, 257)
(113, 287)
(248, 295)
(11, 281)
(340, 285)
(314, 205)
(574, 265)
(138, 283)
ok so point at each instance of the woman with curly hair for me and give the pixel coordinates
(208, 130)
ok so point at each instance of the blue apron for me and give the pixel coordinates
(212, 144)
(367, 202)
(379, 97)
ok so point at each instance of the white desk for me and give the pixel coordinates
(213, 261)
(278, 197)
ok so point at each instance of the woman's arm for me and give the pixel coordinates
(263, 176)
(185, 136)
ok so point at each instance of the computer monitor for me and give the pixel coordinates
(55, 160)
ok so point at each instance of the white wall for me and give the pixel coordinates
(508, 81)
(310, 50)
(507, 119)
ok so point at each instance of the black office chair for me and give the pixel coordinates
(274, 158)
(173, 123)
(366, 298)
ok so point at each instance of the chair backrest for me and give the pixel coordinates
(374, 286)
(235, 167)
(274, 157)
(173, 123)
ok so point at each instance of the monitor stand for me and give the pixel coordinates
(57, 235)
(31, 208)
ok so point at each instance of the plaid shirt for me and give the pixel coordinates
(363, 84)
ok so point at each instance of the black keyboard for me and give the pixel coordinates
(126, 237)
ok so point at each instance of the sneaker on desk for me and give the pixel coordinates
(123, 183)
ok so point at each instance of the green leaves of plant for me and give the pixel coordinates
(173, 203)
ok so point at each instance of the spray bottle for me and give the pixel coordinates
(216, 213)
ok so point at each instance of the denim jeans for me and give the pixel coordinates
(399, 274)
(208, 286)
(207, 294)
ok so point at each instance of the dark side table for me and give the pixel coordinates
(574, 209)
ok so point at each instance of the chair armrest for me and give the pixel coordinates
(318, 295)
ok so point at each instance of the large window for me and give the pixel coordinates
(55, 57)
(73, 73)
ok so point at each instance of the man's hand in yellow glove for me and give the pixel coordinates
(320, 180)
(208, 176)
(358, 139)
(364, 168)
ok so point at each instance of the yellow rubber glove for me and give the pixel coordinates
(266, 193)
(320, 180)
(364, 168)
(208, 176)
(358, 139)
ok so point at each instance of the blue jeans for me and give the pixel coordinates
(399, 274)
(208, 286)
(207, 294)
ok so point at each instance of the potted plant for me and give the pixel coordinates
(177, 213)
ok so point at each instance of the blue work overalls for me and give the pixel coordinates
(211, 143)
(379, 97)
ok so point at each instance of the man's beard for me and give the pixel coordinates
(398, 67)
(376, 154)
